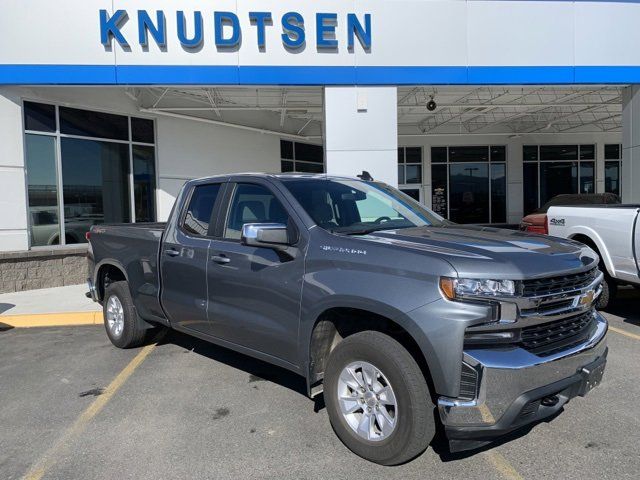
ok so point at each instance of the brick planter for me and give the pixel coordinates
(35, 269)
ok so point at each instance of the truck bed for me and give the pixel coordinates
(135, 246)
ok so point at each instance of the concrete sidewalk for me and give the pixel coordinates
(49, 307)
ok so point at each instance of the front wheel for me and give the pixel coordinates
(377, 399)
(608, 294)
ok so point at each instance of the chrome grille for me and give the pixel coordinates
(550, 337)
(557, 285)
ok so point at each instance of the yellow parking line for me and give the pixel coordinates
(624, 332)
(38, 470)
(498, 462)
(503, 466)
(52, 319)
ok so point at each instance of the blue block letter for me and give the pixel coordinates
(226, 18)
(146, 27)
(293, 24)
(354, 28)
(182, 30)
(323, 29)
(260, 18)
(110, 27)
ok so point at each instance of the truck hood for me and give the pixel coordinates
(483, 252)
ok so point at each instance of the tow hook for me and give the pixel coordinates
(550, 401)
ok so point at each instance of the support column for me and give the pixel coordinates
(13, 195)
(361, 132)
(630, 174)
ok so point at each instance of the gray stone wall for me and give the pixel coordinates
(42, 269)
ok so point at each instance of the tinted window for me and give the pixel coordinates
(438, 154)
(413, 174)
(499, 193)
(612, 177)
(142, 130)
(43, 189)
(286, 149)
(468, 154)
(587, 152)
(558, 152)
(86, 123)
(95, 180)
(309, 153)
(198, 217)
(286, 166)
(39, 117)
(400, 155)
(469, 193)
(587, 177)
(498, 154)
(557, 178)
(530, 152)
(253, 204)
(309, 167)
(530, 187)
(612, 152)
(144, 183)
(413, 155)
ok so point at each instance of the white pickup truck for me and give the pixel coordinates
(613, 231)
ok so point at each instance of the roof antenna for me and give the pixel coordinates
(365, 176)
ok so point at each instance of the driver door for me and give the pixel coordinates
(254, 292)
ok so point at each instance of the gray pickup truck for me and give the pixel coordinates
(405, 321)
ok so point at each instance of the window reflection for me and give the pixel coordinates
(95, 185)
(43, 190)
(469, 196)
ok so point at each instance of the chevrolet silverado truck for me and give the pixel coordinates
(403, 320)
(613, 232)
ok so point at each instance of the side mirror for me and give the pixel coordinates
(266, 235)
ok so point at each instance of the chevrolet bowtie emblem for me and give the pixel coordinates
(587, 298)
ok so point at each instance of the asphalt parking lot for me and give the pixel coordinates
(72, 406)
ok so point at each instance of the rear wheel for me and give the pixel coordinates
(377, 399)
(120, 318)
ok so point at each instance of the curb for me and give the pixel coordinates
(66, 319)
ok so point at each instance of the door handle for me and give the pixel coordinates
(220, 259)
(172, 252)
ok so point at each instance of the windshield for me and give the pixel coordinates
(353, 206)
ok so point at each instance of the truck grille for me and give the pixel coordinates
(555, 285)
(548, 338)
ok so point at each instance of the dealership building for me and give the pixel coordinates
(481, 110)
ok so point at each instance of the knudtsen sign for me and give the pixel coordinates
(229, 31)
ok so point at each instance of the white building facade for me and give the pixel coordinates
(482, 110)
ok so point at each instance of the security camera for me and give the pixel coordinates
(431, 105)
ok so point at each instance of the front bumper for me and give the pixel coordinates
(517, 388)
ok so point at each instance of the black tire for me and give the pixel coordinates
(415, 424)
(609, 292)
(131, 335)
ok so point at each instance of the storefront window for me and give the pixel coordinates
(612, 157)
(301, 157)
(106, 160)
(469, 184)
(551, 170)
(42, 189)
(144, 182)
(409, 165)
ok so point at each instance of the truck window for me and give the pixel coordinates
(198, 216)
(253, 204)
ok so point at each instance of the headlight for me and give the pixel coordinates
(465, 287)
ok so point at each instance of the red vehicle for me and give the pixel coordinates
(537, 221)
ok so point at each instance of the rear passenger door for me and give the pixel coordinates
(254, 293)
(184, 258)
